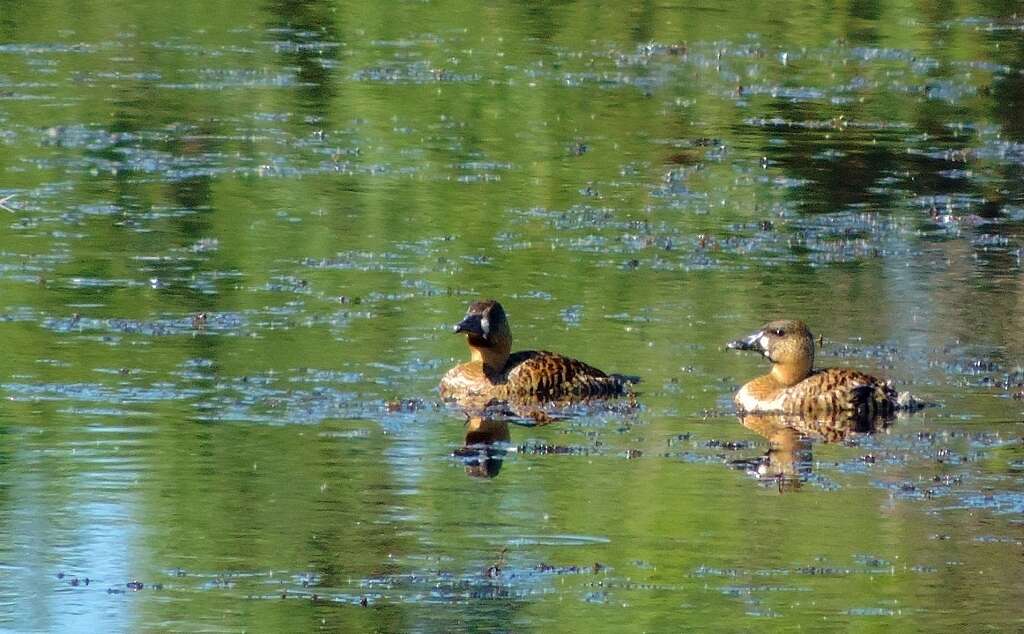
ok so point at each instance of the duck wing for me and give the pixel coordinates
(833, 390)
(547, 375)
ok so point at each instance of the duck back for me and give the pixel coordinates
(834, 390)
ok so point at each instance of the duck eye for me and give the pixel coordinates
(778, 332)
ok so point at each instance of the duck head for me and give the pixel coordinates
(788, 344)
(488, 334)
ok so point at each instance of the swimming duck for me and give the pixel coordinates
(494, 372)
(794, 387)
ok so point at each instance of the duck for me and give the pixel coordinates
(795, 387)
(494, 372)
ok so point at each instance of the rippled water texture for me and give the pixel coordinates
(236, 237)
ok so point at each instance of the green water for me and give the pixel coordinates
(236, 236)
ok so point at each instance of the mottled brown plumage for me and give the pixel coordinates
(493, 372)
(794, 387)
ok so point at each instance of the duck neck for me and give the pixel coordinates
(493, 357)
(792, 372)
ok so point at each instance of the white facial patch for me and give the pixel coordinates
(763, 342)
(485, 325)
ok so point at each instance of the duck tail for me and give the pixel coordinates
(907, 402)
(903, 401)
(626, 379)
(622, 384)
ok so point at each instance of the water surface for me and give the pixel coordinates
(236, 238)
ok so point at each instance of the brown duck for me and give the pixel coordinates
(494, 372)
(794, 387)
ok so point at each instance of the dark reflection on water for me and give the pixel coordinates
(311, 42)
(235, 237)
(789, 460)
(485, 447)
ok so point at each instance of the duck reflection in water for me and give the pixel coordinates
(789, 460)
(488, 421)
(488, 438)
(486, 444)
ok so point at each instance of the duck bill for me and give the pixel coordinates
(471, 324)
(753, 342)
